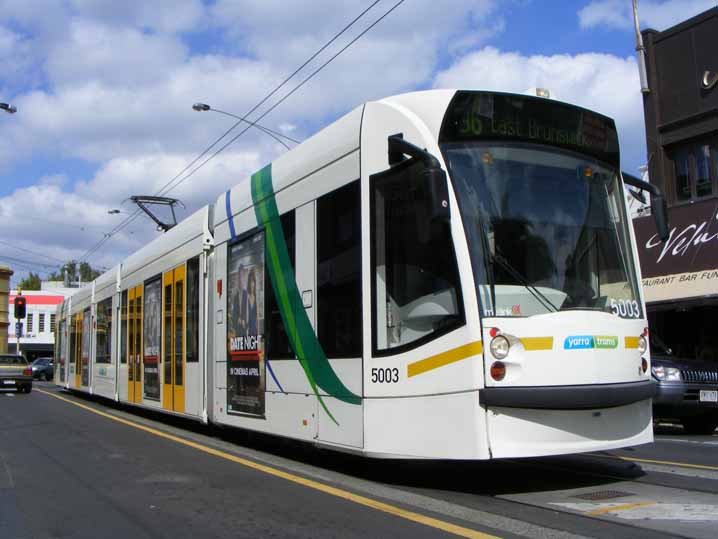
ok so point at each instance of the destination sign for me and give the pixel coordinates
(508, 117)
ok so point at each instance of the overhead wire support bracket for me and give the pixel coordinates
(143, 202)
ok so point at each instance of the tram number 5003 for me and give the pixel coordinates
(625, 308)
(389, 375)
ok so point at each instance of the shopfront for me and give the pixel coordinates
(680, 278)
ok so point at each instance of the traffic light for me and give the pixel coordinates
(20, 307)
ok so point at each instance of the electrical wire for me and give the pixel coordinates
(26, 263)
(232, 140)
(168, 185)
(13, 246)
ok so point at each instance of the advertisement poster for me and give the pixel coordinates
(245, 327)
(152, 338)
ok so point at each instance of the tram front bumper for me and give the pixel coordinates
(579, 397)
(530, 422)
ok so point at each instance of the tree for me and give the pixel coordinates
(88, 274)
(72, 271)
(31, 282)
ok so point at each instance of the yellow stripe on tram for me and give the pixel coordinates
(445, 358)
(631, 342)
(532, 344)
(448, 527)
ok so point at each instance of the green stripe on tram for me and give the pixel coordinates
(301, 335)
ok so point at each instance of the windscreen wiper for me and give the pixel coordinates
(535, 292)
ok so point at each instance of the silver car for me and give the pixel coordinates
(15, 373)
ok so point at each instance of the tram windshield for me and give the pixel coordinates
(547, 229)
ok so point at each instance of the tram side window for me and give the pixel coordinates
(167, 361)
(193, 310)
(103, 339)
(339, 308)
(278, 345)
(131, 338)
(123, 328)
(85, 343)
(73, 338)
(416, 289)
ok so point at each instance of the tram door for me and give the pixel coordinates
(134, 345)
(173, 326)
(78, 350)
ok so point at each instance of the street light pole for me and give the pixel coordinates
(7, 107)
(203, 107)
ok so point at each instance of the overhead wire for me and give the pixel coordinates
(168, 186)
(314, 73)
(13, 246)
(27, 265)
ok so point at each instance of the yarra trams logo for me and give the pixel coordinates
(582, 342)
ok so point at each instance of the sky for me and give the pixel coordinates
(104, 91)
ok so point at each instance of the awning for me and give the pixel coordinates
(681, 286)
(685, 266)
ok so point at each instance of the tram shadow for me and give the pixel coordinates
(487, 478)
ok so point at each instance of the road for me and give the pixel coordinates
(73, 467)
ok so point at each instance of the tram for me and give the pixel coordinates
(443, 274)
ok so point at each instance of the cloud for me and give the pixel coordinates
(110, 85)
(164, 16)
(60, 222)
(618, 14)
(17, 59)
(601, 82)
(97, 120)
(115, 56)
(409, 40)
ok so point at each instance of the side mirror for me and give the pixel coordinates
(435, 185)
(638, 195)
(659, 208)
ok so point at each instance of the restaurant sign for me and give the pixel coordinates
(686, 265)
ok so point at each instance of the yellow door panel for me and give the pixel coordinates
(173, 339)
(167, 317)
(179, 339)
(138, 345)
(131, 345)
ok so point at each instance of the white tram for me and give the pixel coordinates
(443, 274)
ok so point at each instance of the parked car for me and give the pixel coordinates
(15, 373)
(43, 368)
(687, 389)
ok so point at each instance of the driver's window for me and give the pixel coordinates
(416, 290)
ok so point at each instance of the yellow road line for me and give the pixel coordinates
(445, 358)
(651, 461)
(333, 491)
(537, 343)
(624, 507)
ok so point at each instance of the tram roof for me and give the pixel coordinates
(331, 143)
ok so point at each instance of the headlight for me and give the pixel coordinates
(499, 347)
(666, 374)
(642, 345)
